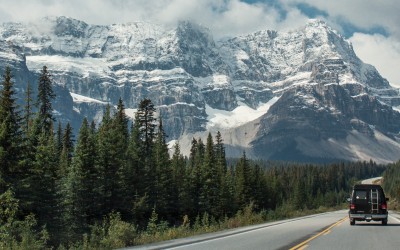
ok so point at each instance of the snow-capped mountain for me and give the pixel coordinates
(299, 95)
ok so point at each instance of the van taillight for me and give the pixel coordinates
(352, 206)
(384, 206)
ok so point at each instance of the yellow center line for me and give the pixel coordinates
(303, 247)
(298, 247)
(327, 232)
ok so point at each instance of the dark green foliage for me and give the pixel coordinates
(391, 180)
(109, 160)
(44, 98)
(145, 122)
(181, 175)
(243, 182)
(79, 187)
(16, 234)
(112, 233)
(163, 185)
(65, 148)
(10, 134)
(134, 187)
(119, 140)
(59, 138)
(147, 125)
(28, 110)
(211, 180)
(41, 194)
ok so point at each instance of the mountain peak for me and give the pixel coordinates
(319, 26)
(316, 23)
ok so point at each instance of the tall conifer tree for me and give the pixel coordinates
(243, 175)
(108, 178)
(10, 133)
(79, 186)
(120, 139)
(209, 195)
(28, 110)
(146, 122)
(45, 96)
(67, 148)
(163, 185)
(182, 181)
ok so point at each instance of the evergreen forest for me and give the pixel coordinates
(115, 183)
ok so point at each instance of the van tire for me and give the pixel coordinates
(384, 222)
(353, 222)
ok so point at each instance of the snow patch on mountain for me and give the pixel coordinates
(82, 99)
(131, 113)
(83, 66)
(222, 119)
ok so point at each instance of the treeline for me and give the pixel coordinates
(391, 181)
(55, 189)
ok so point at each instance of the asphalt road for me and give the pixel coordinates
(323, 231)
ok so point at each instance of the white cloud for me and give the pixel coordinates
(223, 17)
(361, 13)
(380, 51)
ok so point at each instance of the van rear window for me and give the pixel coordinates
(361, 195)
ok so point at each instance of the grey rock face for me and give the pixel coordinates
(328, 71)
(321, 113)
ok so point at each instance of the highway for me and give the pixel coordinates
(323, 231)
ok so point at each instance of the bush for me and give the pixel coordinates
(15, 234)
(112, 233)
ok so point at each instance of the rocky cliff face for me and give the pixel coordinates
(316, 123)
(317, 89)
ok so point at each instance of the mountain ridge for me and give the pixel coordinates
(187, 74)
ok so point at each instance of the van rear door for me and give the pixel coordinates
(361, 201)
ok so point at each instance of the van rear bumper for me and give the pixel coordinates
(368, 216)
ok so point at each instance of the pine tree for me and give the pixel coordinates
(181, 179)
(80, 205)
(146, 124)
(192, 155)
(10, 134)
(242, 179)
(59, 138)
(197, 174)
(220, 158)
(120, 140)
(45, 96)
(67, 148)
(28, 153)
(135, 176)
(42, 194)
(134, 171)
(28, 112)
(209, 192)
(226, 199)
(163, 185)
(108, 179)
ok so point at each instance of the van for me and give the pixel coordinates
(368, 203)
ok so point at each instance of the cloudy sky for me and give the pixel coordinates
(372, 26)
